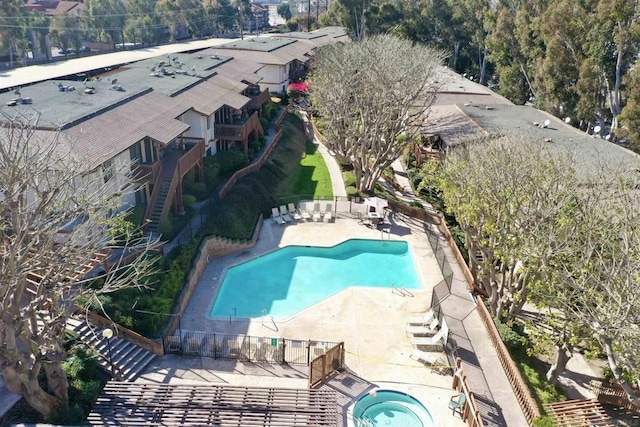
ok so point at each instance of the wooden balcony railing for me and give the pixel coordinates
(146, 173)
(239, 132)
(155, 191)
(259, 100)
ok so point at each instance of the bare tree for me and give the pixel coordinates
(372, 97)
(58, 222)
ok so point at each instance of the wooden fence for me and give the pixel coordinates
(526, 401)
(325, 364)
(612, 394)
(469, 411)
(254, 167)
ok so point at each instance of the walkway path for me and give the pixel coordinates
(496, 400)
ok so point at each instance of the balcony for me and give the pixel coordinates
(259, 99)
(240, 130)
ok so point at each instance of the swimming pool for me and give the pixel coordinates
(390, 408)
(293, 278)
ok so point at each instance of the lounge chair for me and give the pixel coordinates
(293, 212)
(276, 216)
(436, 341)
(328, 212)
(305, 215)
(422, 319)
(427, 358)
(426, 329)
(317, 216)
(284, 214)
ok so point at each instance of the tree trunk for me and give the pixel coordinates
(559, 365)
(28, 387)
(57, 382)
(613, 364)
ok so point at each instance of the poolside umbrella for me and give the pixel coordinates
(378, 203)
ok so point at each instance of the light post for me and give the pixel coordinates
(107, 334)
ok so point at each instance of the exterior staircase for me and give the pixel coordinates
(127, 359)
(156, 214)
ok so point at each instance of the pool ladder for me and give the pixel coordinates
(264, 314)
(400, 290)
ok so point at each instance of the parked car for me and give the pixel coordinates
(66, 51)
(84, 49)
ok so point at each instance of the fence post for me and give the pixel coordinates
(284, 348)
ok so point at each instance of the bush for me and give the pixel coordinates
(515, 342)
(349, 179)
(269, 111)
(189, 199)
(86, 381)
(545, 421)
(136, 214)
(265, 124)
(230, 161)
(254, 145)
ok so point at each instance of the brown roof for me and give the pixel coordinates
(106, 135)
(280, 56)
(209, 96)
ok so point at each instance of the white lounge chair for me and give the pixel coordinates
(305, 215)
(293, 212)
(438, 340)
(276, 216)
(426, 329)
(284, 214)
(328, 212)
(421, 319)
(317, 216)
(427, 357)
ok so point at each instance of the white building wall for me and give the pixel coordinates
(194, 119)
(274, 77)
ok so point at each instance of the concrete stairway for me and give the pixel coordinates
(127, 359)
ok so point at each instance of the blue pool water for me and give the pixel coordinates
(391, 409)
(290, 279)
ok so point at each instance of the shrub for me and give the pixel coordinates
(349, 179)
(265, 124)
(254, 145)
(269, 111)
(515, 342)
(189, 199)
(136, 214)
(545, 421)
(351, 192)
(230, 161)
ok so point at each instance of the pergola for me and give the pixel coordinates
(587, 412)
(153, 404)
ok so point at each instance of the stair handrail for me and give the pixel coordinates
(154, 195)
(124, 332)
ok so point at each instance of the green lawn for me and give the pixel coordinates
(307, 174)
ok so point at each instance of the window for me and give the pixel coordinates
(208, 122)
(107, 170)
(135, 153)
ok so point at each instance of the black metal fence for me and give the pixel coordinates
(245, 348)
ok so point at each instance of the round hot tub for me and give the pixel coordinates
(390, 408)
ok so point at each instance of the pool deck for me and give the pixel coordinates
(369, 321)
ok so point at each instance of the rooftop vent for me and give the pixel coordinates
(64, 88)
